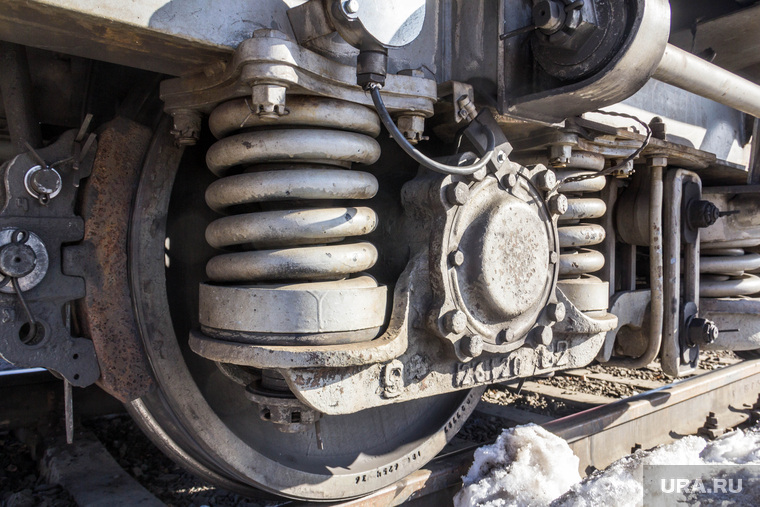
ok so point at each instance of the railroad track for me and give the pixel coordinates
(600, 431)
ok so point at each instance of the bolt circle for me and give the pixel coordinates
(558, 205)
(472, 346)
(456, 258)
(458, 193)
(455, 321)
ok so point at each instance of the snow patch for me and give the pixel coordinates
(526, 466)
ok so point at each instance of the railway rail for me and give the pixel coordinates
(709, 403)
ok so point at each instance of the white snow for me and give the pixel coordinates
(528, 466)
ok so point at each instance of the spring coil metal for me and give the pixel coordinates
(726, 272)
(267, 166)
(575, 235)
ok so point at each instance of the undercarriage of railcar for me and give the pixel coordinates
(299, 251)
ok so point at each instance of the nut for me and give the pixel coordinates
(472, 346)
(187, 127)
(553, 257)
(509, 181)
(546, 180)
(506, 336)
(456, 258)
(558, 205)
(455, 321)
(556, 312)
(351, 6)
(412, 127)
(543, 335)
(501, 157)
(458, 193)
(268, 100)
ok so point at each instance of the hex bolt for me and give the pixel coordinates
(351, 6)
(480, 174)
(558, 205)
(455, 321)
(456, 258)
(701, 331)
(506, 336)
(559, 155)
(458, 193)
(472, 346)
(553, 257)
(546, 180)
(187, 127)
(412, 126)
(509, 181)
(556, 312)
(544, 335)
(659, 130)
(501, 157)
(268, 100)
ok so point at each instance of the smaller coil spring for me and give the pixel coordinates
(727, 272)
(575, 235)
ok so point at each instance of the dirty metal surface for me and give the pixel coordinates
(106, 314)
(53, 221)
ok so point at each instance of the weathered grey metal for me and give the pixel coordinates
(302, 110)
(576, 339)
(291, 227)
(581, 235)
(18, 102)
(584, 208)
(377, 23)
(314, 146)
(630, 64)
(738, 318)
(312, 263)
(290, 183)
(631, 308)
(728, 264)
(271, 59)
(499, 288)
(684, 70)
(296, 308)
(676, 355)
(580, 261)
(721, 287)
(737, 230)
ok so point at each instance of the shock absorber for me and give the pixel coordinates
(288, 277)
(577, 260)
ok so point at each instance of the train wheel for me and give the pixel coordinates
(203, 419)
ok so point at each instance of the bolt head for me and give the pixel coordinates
(556, 312)
(455, 322)
(458, 193)
(46, 181)
(553, 257)
(472, 346)
(351, 6)
(544, 335)
(501, 157)
(456, 258)
(558, 205)
(509, 181)
(546, 180)
(506, 336)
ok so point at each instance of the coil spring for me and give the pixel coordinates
(725, 272)
(282, 164)
(576, 260)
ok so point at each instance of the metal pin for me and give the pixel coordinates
(728, 330)
(68, 407)
(519, 31)
(728, 213)
(83, 129)
(35, 155)
(318, 432)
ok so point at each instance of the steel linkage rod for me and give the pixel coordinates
(691, 73)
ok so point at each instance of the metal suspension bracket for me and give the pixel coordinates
(36, 222)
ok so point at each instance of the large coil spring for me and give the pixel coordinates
(575, 235)
(727, 272)
(272, 239)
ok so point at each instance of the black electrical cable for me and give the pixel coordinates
(417, 155)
